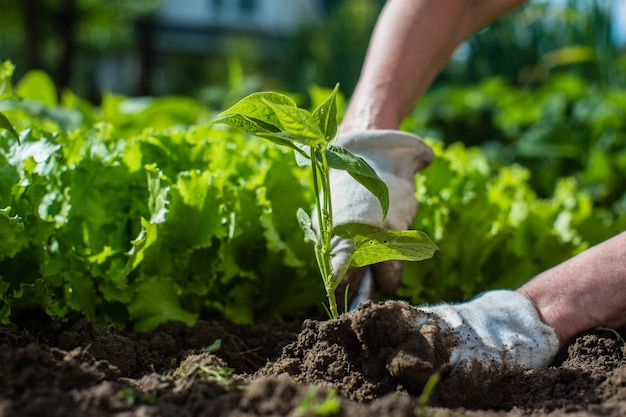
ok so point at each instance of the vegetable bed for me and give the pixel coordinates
(153, 265)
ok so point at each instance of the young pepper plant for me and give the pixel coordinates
(311, 135)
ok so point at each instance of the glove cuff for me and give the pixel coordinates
(393, 151)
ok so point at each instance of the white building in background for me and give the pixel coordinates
(278, 17)
(200, 25)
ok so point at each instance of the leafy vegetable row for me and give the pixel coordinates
(136, 212)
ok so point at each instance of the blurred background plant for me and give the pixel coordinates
(543, 38)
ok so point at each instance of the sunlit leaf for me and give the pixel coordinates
(375, 244)
(246, 123)
(256, 106)
(298, 124)
(258, 128)
(37, 85)
(158, 187)
(146, 238)
(326, 115)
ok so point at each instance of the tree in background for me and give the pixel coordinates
(63, 37)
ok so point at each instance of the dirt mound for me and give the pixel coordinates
(374, 351)
(365, 363)
(366, 353)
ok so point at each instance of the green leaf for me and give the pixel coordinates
(5, 314)
(341, 158)
(146, 238)
(255, 106)
(375, 244)
(248, 124)
(306, 225)
(37, 85)
(303, 158)
(326, 115)
(80, 293)
(6, 124)
(298, 124)
(196, 210)
(39, 293)
(259, 128)
(6, 73)
(10, 227)
(284, 139)
(159, 188)
(273, 116)
(157, 302)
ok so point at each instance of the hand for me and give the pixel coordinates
(496, 331)
(396, 157)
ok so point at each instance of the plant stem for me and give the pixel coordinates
(321, 184)
(326, 192)
(332, 302)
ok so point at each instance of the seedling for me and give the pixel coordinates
(424, 397)
(311, 135)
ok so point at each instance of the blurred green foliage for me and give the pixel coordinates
(540, 39)
(524, 48)
(568, 127)
(492, 228)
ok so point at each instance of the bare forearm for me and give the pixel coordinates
(586, 291)
(411, 43)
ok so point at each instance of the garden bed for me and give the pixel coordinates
(304, 367)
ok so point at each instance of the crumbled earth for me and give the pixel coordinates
(364, 363)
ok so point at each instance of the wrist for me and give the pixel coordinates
(363, 122)
(584, 292)
(367, 114)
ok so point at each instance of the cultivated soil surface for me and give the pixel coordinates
(365, 363)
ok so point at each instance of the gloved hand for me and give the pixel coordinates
(497, 331)
(396, 157)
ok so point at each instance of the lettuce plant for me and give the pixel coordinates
(311, 135)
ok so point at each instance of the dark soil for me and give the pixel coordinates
(365, 363)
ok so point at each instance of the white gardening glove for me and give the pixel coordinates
(497, 331)
(396, 157)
